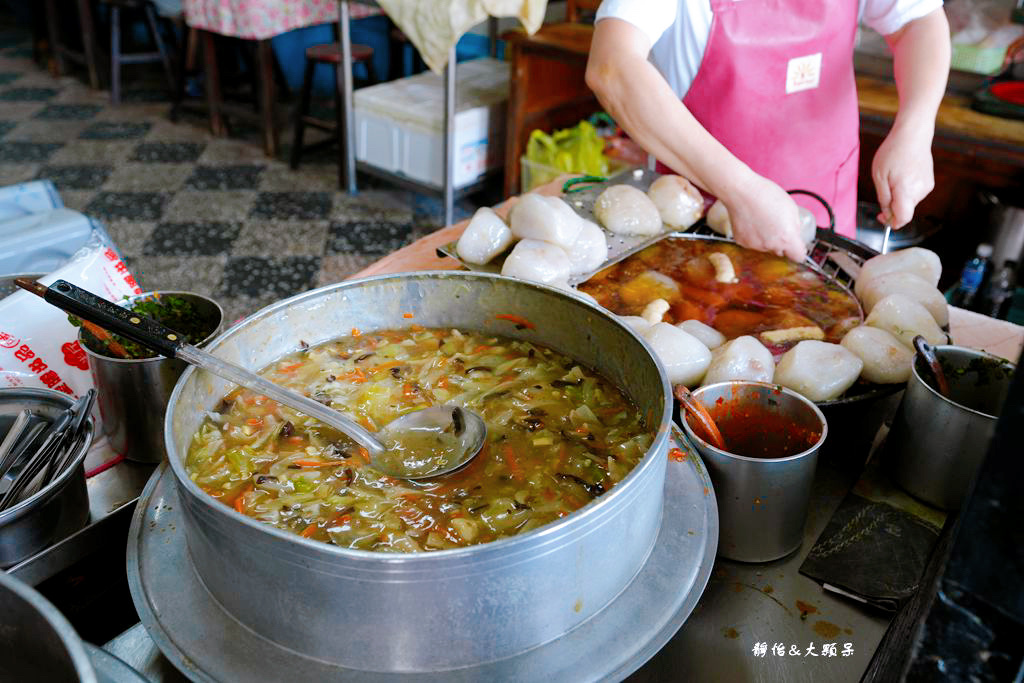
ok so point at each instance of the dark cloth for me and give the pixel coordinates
(874, 551)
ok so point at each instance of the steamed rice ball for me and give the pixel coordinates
(589, 251)
(485, 237)
(921, 262)
(684, 358)
(886, 360)
(743, 358)
(909, 285)
(538, 262)
(707, 335)
(679, 203)
(548, 219)
(818, 370)
(626, 210)
(904, 318)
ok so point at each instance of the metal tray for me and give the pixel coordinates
(206, 644)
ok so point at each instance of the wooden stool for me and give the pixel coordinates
(61, 51)
(118, 58)
(329, 53)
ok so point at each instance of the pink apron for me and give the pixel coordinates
(776, 87)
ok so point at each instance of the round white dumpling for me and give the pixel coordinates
(679, 203)
(548, 219)
(538, 262)
(485, 237)
(708, 336)
(625, 210)
(635, 323)
(886, 360)
(921, 262)
(818, 370)
(904, 318)
(718, 219)
(808, 225)
(589, 251)
(742, 358)
(682, 355)
(911, 286)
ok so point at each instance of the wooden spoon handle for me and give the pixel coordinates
(704, 419)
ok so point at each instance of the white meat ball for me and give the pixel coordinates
(548, 219)
(590, 249)
(886, 360)
(921, 262)
(909, 285)
(625, 210)
(743, 358)
(682, 355)
(485, 237)
(818, 370)
(904, 318)
(708, 336)
(679, 203)
(538, 262)
(718, 219)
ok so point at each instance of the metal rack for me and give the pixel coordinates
(447, 192)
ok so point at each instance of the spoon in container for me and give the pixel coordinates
(705, 422)
(927, 352)
(425, 443)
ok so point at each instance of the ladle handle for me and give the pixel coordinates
(151, 334)
(87, 306)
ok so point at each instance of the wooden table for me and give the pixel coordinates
(547, 88)
(966, 328)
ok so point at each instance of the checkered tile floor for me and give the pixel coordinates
(188, 210)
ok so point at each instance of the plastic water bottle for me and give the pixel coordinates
(999, 294)
(973, 277)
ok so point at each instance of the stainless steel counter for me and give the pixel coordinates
(743, 605)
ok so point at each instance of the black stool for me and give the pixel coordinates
(118, 58)
(329, 53)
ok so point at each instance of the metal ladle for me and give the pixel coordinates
(425, 443)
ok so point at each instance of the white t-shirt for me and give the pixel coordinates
(679, 29)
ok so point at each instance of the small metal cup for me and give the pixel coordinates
(762, 502)
(936, 444)
(132, 394)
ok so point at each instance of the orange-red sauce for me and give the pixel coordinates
(771, 293)
(756, 431)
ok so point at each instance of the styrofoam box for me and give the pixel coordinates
(400, 124)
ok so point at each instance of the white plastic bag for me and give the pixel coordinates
(38, 346)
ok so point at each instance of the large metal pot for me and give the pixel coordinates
(439, 610)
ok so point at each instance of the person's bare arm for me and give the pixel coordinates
(632, 90)
(902, 169)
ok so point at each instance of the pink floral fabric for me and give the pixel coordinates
(259, 19)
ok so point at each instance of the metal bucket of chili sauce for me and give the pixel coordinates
(446, 609)
(764, 476)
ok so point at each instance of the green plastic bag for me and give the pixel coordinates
(572, 150)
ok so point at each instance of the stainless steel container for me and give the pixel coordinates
(936, 444)
(133, 394)
(439, 610)
(36, 642)
(762, 502)
(59, 509)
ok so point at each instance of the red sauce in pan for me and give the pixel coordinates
(758, 431)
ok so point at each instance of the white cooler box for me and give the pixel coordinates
(400, 124)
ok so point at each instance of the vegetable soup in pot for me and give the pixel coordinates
(559, 435)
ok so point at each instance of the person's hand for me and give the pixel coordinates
(764, 217)
(903, 174)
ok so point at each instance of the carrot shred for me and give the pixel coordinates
(356, 376)
(407, 315)
(442, 383)
(385, 366)
(254, 421)
(416, 328)
(513, 464)
(320, 463)
(356, 332)
(309, 530)
(677, 455)
(482, 347)
(364, 454)
(296, 439)
(518, 320)
(408, 391)
(239, 503)
(291, 368)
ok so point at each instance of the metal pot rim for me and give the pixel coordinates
(774, 387)
(970, 352)
(585, 516)
(39, 497)
(152, 359)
